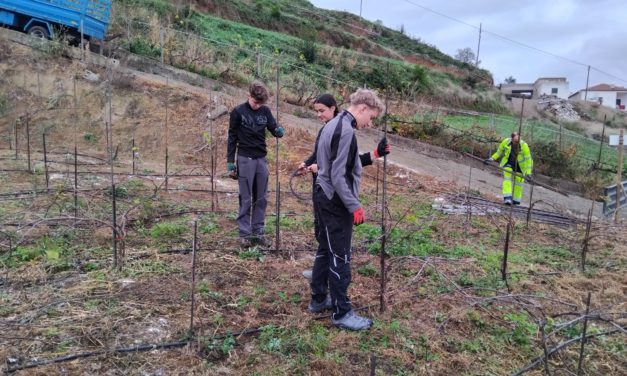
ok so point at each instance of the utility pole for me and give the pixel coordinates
(585, 97)
(478, 46)
(360, 7)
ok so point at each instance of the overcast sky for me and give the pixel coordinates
(581, 32)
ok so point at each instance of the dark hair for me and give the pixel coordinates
(259, 92)
(329, 101)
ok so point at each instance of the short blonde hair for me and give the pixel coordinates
(367, 97)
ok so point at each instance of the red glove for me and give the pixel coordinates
(358, 217)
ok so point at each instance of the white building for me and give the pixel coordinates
(551, 86)
(608, 95)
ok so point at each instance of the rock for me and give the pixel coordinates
(91, 76)
(217, 112)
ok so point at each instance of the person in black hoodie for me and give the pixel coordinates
(247, 138)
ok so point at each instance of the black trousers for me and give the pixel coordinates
(332, 265)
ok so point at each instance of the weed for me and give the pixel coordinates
(168, 230)
(523, 328)
(252, 253)
(368, 270)
(224, 346)
(269, 338)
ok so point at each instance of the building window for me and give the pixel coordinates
(554, 90)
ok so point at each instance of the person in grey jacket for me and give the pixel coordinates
(247, 137)
(336, 195)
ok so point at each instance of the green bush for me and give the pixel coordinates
(168, 230)
(143, 47)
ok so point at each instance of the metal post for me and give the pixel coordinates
(133, 155)
(382, 304)
(116, 262)
(46, 162)
(602, 139)
(167, 100)
(16, 145)
(530, 204)
(469, 216)
(258, 56)
(28, 141)
(161, 43)
(166, 169)
(75, 181)
(82, 36)
(583, 336)
(619, 171)
(278, 186)
(38, 83)
(194, 246)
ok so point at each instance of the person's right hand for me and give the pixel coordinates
(302, 169)
(358, 217)
(230, 166)
(313, 168)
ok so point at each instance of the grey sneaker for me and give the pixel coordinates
(308, 274)
(352, 321)
(315, 307)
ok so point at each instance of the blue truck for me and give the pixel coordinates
(46, 18)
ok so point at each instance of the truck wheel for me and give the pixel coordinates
(39, 32)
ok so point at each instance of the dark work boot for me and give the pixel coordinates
(315, 307)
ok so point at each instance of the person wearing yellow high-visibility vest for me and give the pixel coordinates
(515, 156)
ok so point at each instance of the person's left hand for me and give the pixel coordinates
(383, 148)
(279, 132)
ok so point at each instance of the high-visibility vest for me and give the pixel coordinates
(524, 156)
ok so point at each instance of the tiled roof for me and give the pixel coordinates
(606, 87)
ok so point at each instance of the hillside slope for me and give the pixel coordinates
(172, 293)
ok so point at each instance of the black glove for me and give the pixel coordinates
(383, 148)
(529, 177)
(487, 160)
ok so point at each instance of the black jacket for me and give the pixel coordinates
(247, 131)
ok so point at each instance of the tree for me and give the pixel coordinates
(466, 55)
(510, 80)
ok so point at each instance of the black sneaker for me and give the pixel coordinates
(352, 321)
(315, 307)
(261, 241)
(245, 242)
